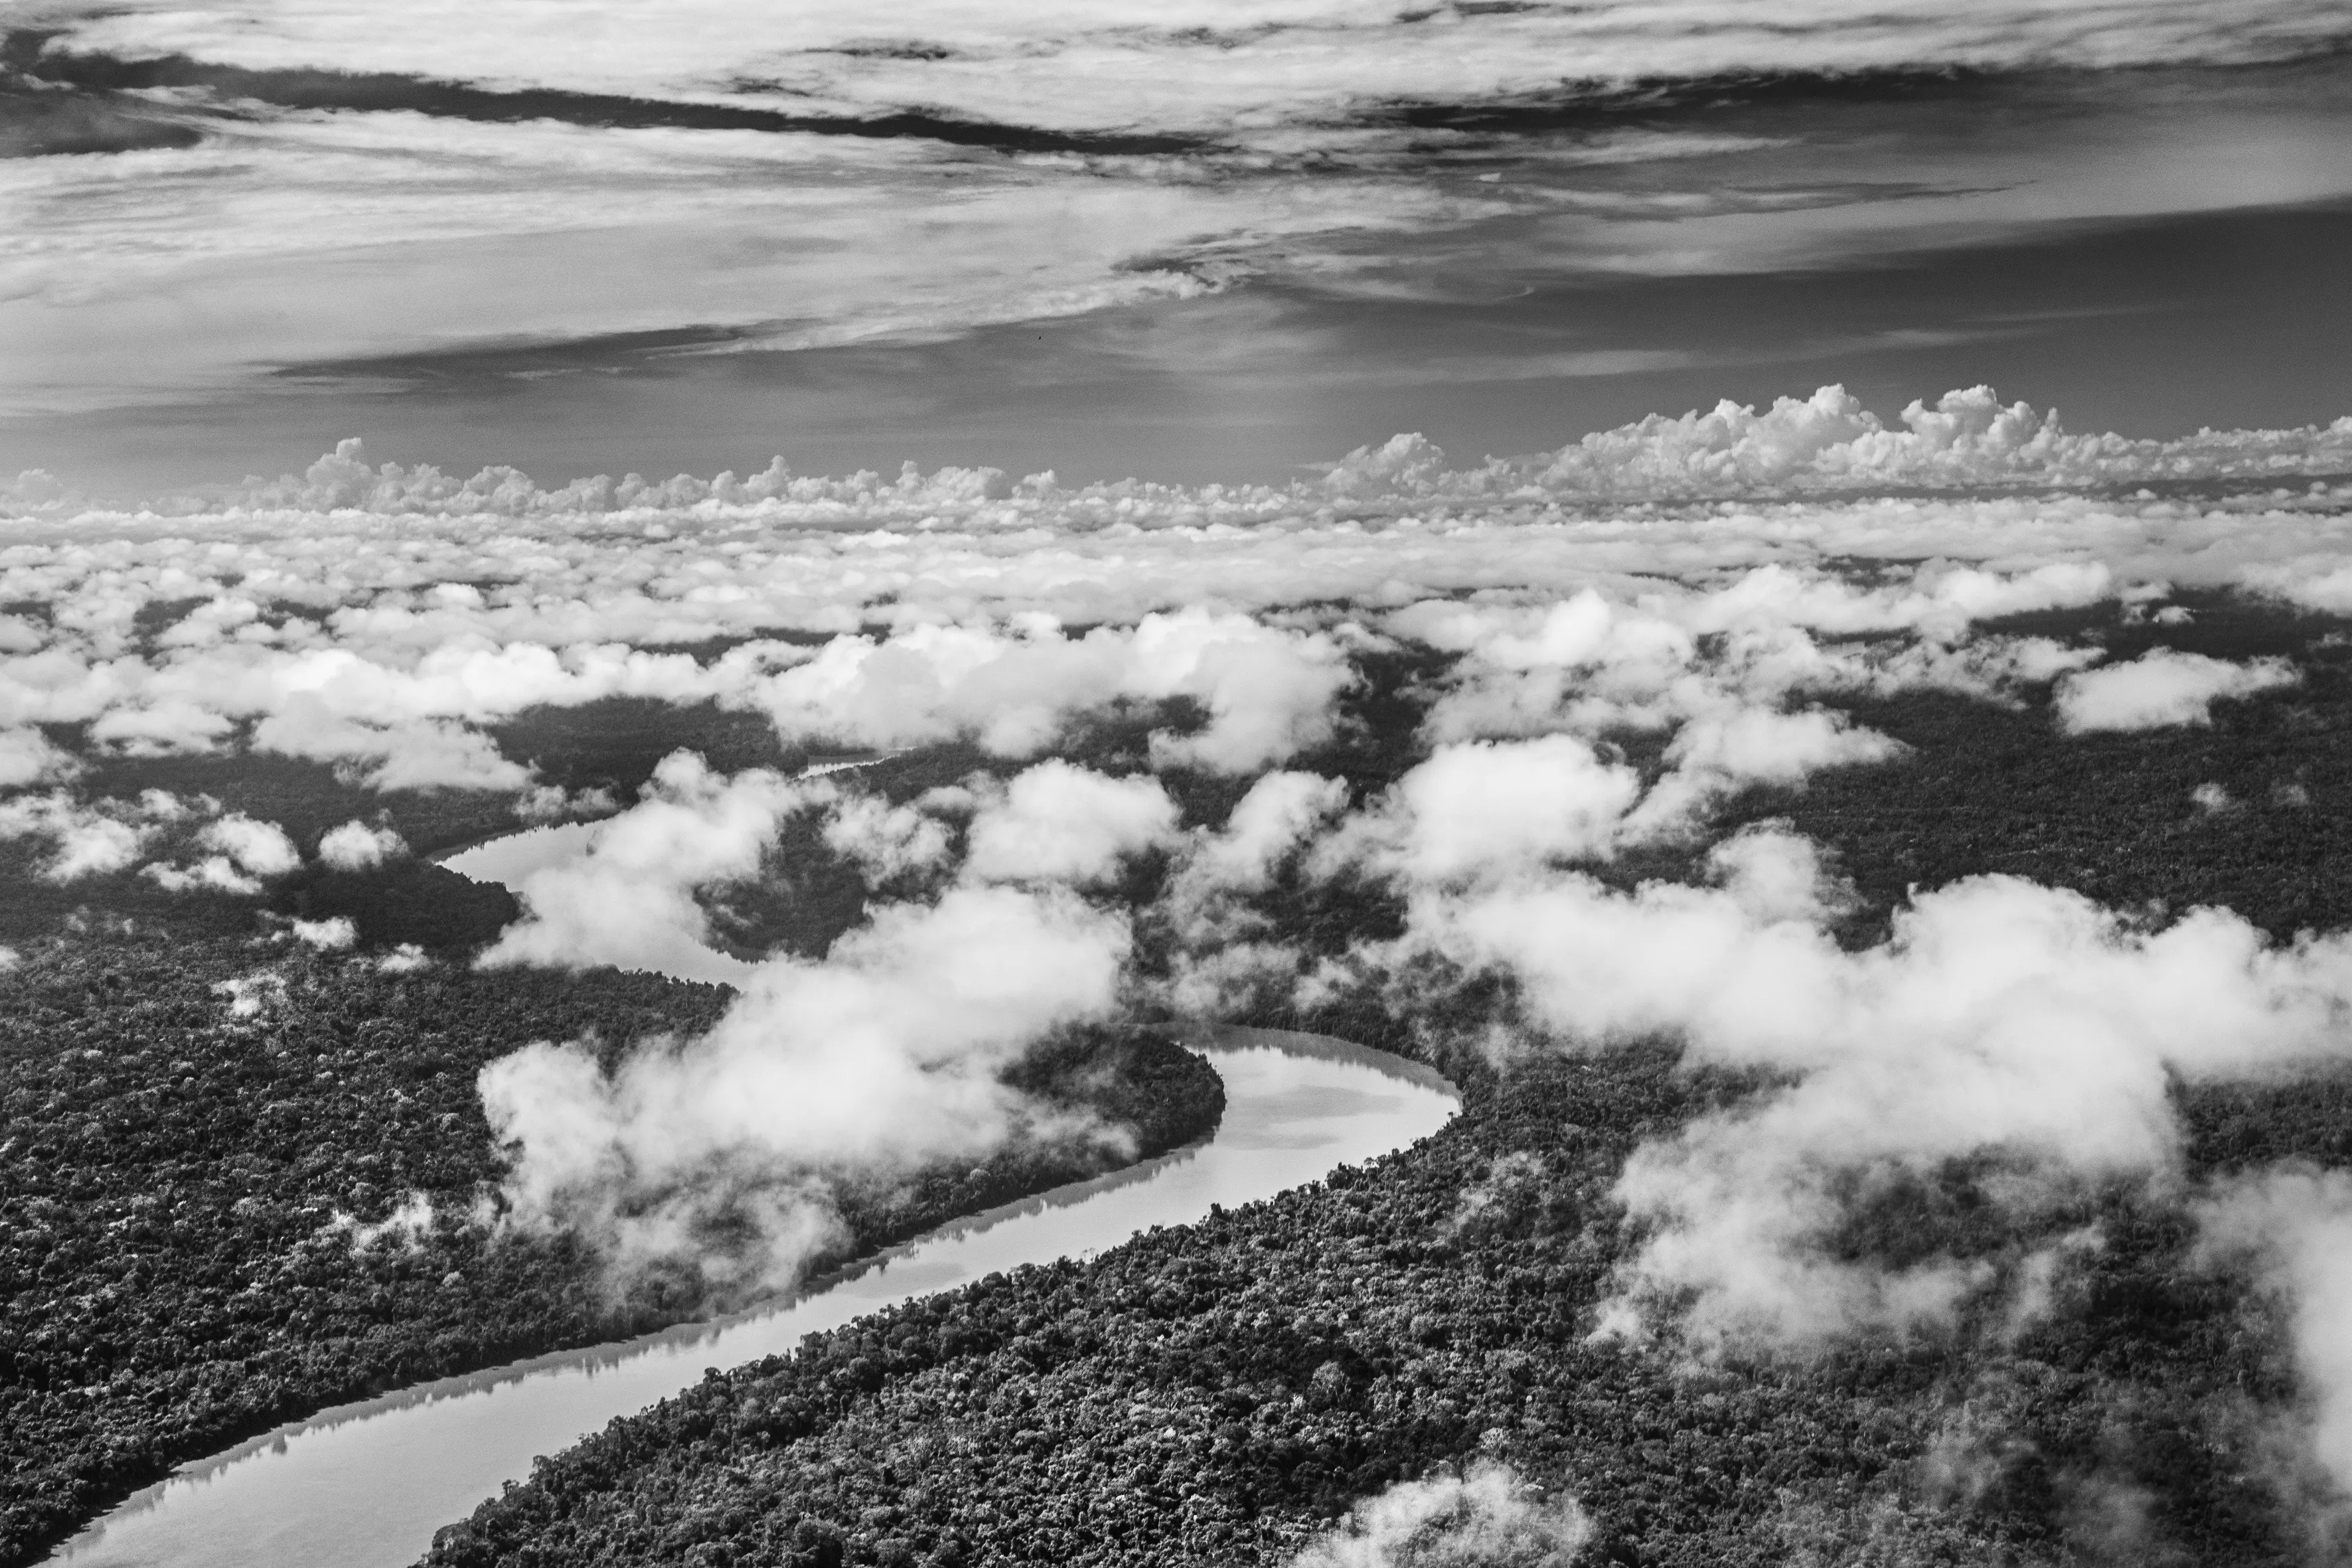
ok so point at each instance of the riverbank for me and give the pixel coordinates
(242, 1188)
(356, 1484)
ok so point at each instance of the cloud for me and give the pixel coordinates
(1716, 754)
(629, 899)
(1267, 692)
(886, 841)
(1489, 809)
(356, 847)
(1999, 1018)
(250, 852)
(2296, 1225)
(1485, 811)
(259, 847)
(1653, 655)
(2162, 688)
(421, 754)
(1062, 824)
(86, 840)
(1191, 68)
(881, 1056)
(1483, 1518)
(359, 615)
(331, 935)
(29, 757)
(1279, 815)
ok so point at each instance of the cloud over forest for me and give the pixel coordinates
(1160, 702)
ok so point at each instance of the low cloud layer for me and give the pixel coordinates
(2162, 689)
(1484, 1518)
(1473, 688)
(374, 617)
(726, 1150)
(629, 899)
(1267, 692)
(2294, 1228)
(2000, 1019)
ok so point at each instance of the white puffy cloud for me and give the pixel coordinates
(215, 873)
(355, 847)
(2000, 1016)
(886, 841)
(1716, 754)
(381, 619)
(259, 847)
(1485, 1517)
(884, 1055)
(2162, 688)
(86, 840)
(1763, 746)
(331, 935)
(627, 899)
(1487, 809)
(419, 754)
(1267, 692)
(2296, 1223)
(1280, 811)
(1225, 954)
(1057, 823)
(1830, 439)
(29, 757)
(249, 852)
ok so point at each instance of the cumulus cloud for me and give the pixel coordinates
(362, 616)
(1279, 814)
(629, 899)
(29, 757)
(1493, 808)
(1267, 692)
(331, 935)
(1225, 952)
(249, 852)
(1485, 1517)
(1830, 439)
(422, 754)
(883, 1055)
(90, 839)
(1999, 1018)
(1059, 823)
(259, 847)
(356, 847)
(1717, 754)
(2295, 1226)
(2161, 689)
(886, 841)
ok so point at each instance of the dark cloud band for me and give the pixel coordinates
(384, 91)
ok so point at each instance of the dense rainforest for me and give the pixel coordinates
(1221, 1393)
(212, 1221)
(198, 1251)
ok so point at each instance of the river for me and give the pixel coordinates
(365, 1485)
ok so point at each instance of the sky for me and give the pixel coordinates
(1194, 242)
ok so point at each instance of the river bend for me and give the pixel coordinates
(366, 1485)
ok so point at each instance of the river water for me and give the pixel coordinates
(368, 1484)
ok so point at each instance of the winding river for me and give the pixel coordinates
(368, 1484)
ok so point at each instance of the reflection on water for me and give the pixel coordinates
(369, 1484)
(509, 859)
